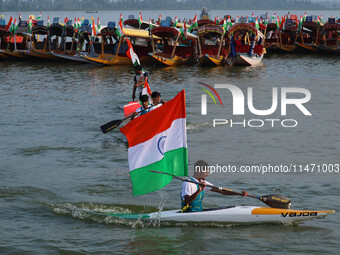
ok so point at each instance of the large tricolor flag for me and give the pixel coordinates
(194, 24)
(157, 141)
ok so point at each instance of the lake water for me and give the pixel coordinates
(55, 163)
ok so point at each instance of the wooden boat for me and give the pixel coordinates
(288, 35)
(272, 36)
(113, 49)
(331, 34)
(309, 34)
(18, 43)
(170, 49)
(212, 45)
(246, 44)
(74, 42)
(39, 47)
(3, 34)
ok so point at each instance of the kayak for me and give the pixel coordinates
(231, 214)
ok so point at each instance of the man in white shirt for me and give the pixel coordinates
(192, 194)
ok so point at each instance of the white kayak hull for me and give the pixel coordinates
(241, 214)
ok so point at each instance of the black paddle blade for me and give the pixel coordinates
(276, 201)
(110, 125)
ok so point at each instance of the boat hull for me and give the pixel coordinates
(75, 58)
(207, 60)
(243, 59)
(15, 54)
(287, 48)
(308, 47)
(111, 60)
(164, 61)
(242, 214)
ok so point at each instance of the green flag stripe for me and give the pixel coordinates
(174, 162)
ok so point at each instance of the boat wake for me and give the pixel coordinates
(107, 214)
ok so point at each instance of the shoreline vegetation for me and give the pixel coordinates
(101, 5)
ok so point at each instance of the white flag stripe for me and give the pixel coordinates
(149, 152)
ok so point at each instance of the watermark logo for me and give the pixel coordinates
(297, 97)
(204, 97)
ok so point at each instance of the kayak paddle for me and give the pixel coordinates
(275, 201)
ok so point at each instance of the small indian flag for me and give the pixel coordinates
(119, 30)
(20, 18)
(176, 22)
(194, 24)
(157, 141)
(257, 24)
(131, 54)
(98, 25)
(159, 19)
(39, 17)
(48, 21)
(140, 19)
(229, 23)
(30, 25)
(94, 31)
(146, 90)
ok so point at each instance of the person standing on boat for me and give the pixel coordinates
(139, 80)
(145, 108)
(192, 194)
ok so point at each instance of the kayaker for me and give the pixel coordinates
(192, 194)
(143, 109)
(157, 101)
(139, 80)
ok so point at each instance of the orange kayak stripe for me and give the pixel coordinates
(274, 211)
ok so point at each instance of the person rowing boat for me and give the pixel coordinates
(192, 194)
(145, 108)
(139, 81)
(157, 101)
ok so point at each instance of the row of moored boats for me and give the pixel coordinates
(233, 41)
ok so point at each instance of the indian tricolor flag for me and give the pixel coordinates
(131, 54)
(157, 141)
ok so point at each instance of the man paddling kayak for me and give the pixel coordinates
(157, 101)
(139, 80)
(192, 194)
(145, 108)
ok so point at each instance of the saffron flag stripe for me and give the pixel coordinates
(167, 113)
(153, 150)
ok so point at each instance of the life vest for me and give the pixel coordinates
(196, 205)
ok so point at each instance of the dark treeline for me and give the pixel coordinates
(60, 5)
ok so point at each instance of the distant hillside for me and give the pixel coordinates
(54, 5)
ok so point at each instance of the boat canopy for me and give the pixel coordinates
(210, 30)
(39, 30)
(135, 24)
(243, 27)
(56, 29)
(311, 25)
(331, 26)
(22, 28)
(165, 32)
(202, 22)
